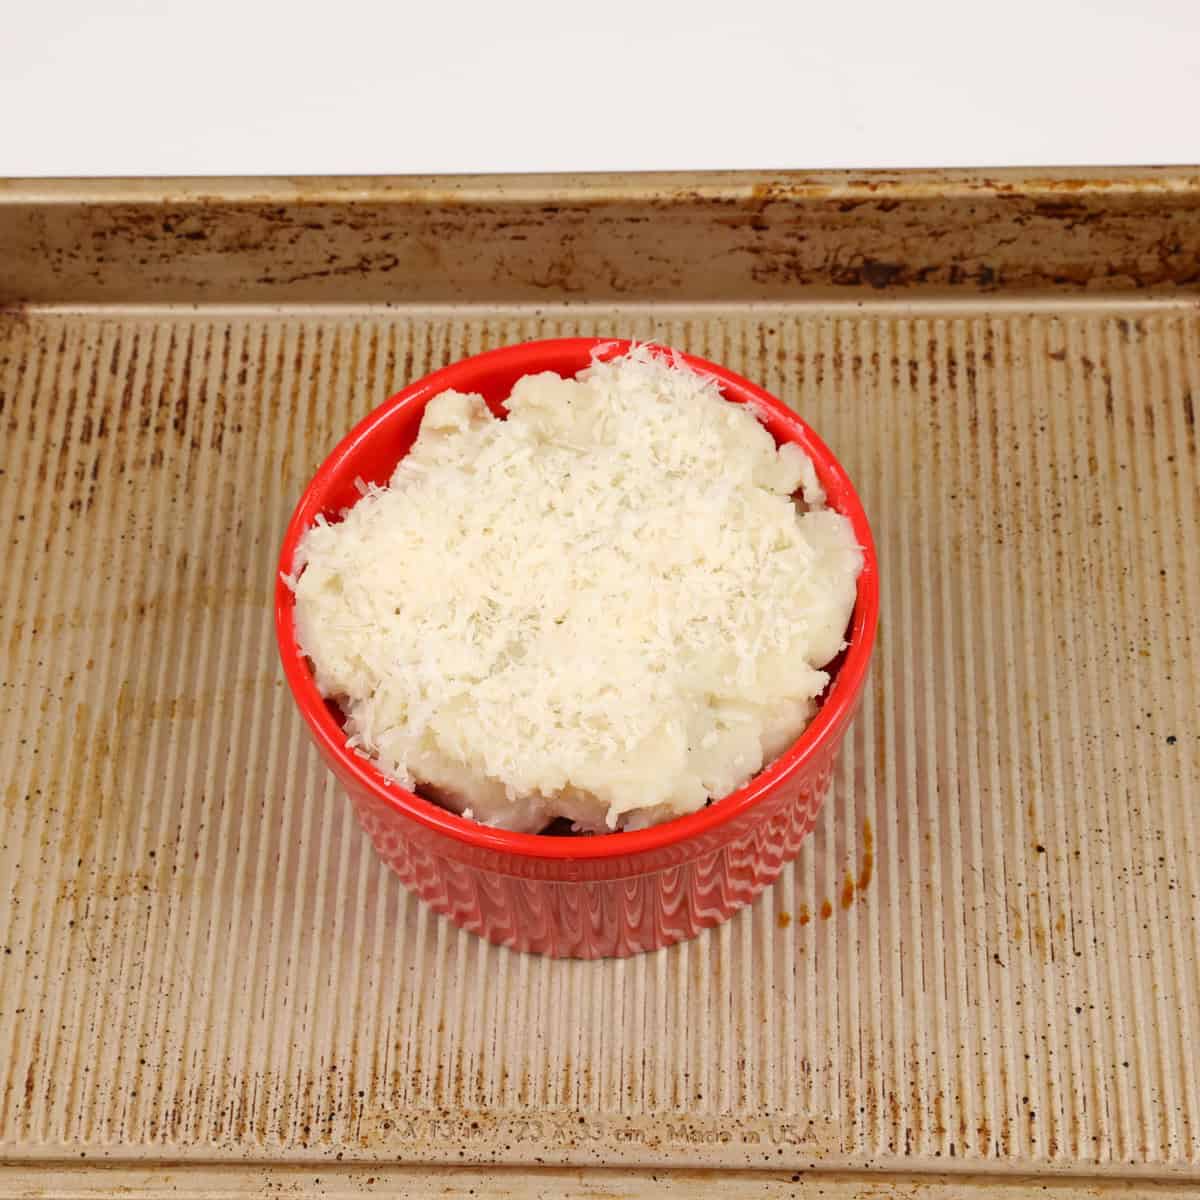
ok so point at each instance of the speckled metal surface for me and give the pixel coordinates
(986, 957)
(602, 238)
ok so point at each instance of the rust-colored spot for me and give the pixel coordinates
(783, 920)
(804, 916)
(848, 890)
(15, 314)
(866, 869)
(826, 910)
(761, 194)
(881, 274)
(31, 1073)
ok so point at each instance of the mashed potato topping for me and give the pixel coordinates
(607, 607)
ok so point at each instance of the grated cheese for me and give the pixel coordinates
(607, 607)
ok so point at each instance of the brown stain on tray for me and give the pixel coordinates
(610, 237)
(866, 868)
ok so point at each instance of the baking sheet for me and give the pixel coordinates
(985, 960)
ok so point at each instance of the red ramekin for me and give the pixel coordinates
(581, 897)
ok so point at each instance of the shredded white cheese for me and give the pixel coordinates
(607, 607)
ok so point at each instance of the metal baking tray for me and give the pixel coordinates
(982, 973)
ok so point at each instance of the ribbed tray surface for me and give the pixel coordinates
(988, 955)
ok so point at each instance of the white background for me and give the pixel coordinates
(346, 86)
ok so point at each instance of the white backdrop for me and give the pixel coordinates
(348, 86)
